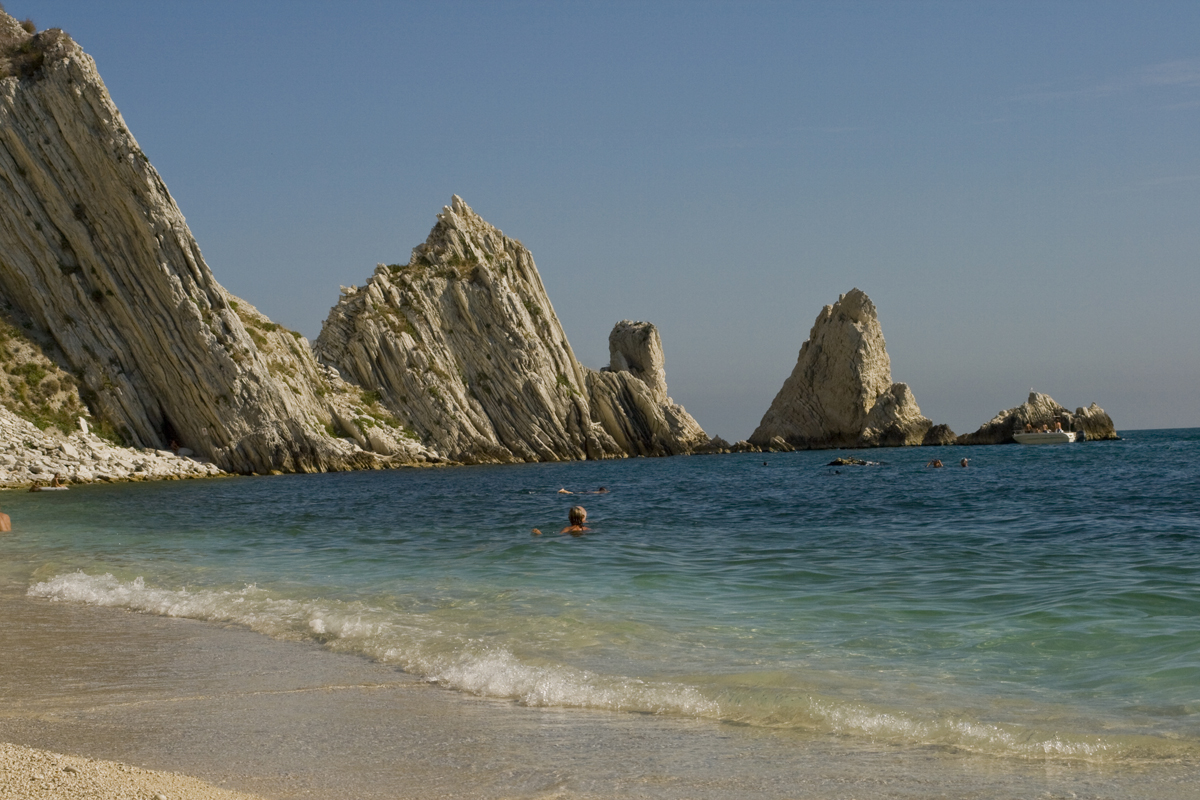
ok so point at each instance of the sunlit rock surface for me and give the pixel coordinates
(463, 345)
(840, 393)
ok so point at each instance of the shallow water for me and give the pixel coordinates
(1040, 607)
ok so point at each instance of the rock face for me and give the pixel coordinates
(97, 259)
(629, 396)
(841, 394)
(456, 355)
(463, 346)
(1041, 409)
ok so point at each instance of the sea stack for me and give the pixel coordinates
(629, 396)
(841, 394)
(462, 344)
(1041, 409)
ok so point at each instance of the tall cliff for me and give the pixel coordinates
(97, 259)
(840, 394)
(1041, 409)
(456, 355)
(463, 345)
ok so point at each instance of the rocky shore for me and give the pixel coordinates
(29, 456)
(110, 317)
(109, 311)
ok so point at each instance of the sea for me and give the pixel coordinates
(763, 625)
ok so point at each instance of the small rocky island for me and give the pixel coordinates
(1038, 410)
(840, 393)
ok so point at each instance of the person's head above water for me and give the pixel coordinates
(577, 515)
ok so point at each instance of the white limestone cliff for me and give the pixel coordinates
(463, 345)
(97, 259)
(840, 393)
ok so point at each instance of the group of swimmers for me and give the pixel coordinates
(56, 483)
(577, 516)
(937, 463)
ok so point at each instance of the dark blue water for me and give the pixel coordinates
(1043, 602)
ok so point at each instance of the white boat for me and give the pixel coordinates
(1047, 437)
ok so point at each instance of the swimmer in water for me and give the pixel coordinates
(577, 516)
(936, 463)
(963, 463)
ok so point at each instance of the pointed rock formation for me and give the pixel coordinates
(1041, 409)
(97, 258)
(629, 396)
(841, 394)
(463, 345)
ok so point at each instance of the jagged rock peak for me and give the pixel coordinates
(1038, 410)
(463, 344)
(25, 51)
(461, 238)
(629, 397)
(840, 393)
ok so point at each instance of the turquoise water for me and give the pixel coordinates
(1043, 603)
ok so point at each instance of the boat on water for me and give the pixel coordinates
(1045, 437)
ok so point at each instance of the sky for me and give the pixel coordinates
(1016, 185)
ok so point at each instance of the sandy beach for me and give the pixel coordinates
(247, 716)
(28, 774)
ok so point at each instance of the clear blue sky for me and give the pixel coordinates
(1015, 185)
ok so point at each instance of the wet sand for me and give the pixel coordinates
(245, 713)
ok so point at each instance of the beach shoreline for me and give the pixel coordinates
(152, 699)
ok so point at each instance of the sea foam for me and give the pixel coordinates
(453, 659)
(457, 659)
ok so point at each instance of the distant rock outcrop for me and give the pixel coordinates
(841, 394)
(463, 345)
(1041, 409)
